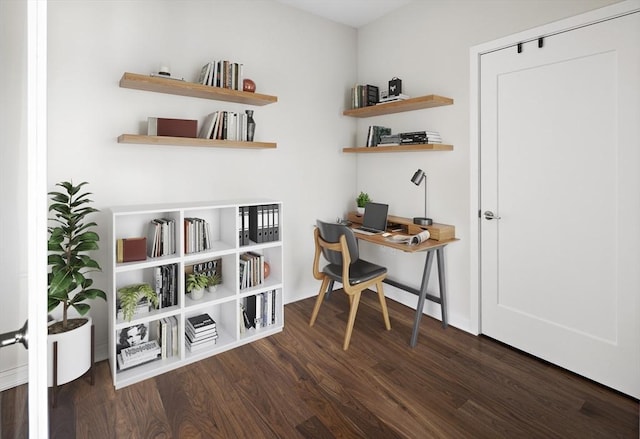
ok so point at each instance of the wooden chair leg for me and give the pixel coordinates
(321, 293)
(355, 300)
(383, 305)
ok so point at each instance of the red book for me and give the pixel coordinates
(160, 126)
(131, 249)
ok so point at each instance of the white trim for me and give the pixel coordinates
(37, 216)
(14, 377)
(588, 18)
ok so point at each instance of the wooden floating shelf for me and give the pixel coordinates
(188, 141)
(418, 103)
(400, 148)
(182, 88)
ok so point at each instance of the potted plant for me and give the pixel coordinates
(213, 281)
(70, 238)
(131, 295)
(196, 283)
(362, 201)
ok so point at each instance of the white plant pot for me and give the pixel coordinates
(360, 211)
(74, 353)
(197, 294)
(212, 288)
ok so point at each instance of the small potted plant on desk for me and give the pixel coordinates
(196, 283)
(362, 201)
(70, 238)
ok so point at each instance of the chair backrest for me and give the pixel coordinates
(331, 232)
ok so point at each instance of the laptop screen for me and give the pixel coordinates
(375, 216)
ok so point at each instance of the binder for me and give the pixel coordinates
(256, 224)
(276, 222)
(270, 228)
(250, 309)
(245, 227)
(240, 226)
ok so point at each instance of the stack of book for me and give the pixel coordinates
(201, 332)
(225, 125)
(258, 311)
(251, 270)
(223, 74)
(393, 98)
(166, 285)
(138, 354)
(364, 95)
(416, 137)
(168, 336)
(389, 140)
(375, 133)
(161, 237)
(196, 235)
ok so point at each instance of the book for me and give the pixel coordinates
(206, 130)
(131, 249)
(161, 126)
(140, 353)
(410, 239)
(201, 335)
(200, 322)
(198, 347)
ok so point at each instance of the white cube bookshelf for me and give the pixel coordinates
(223, 305)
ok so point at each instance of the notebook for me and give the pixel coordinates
(375, 219)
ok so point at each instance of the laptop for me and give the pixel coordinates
(375, 219)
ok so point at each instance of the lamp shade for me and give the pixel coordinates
(418, 177)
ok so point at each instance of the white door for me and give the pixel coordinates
(560, 166)
(23, 201)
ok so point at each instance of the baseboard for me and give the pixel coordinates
(20, 375)
(14, 377)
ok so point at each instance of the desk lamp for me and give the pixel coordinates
(418, 178)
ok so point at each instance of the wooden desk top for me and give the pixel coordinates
(441, 234)
(423, 246)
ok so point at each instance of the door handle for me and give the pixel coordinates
(488, 215)
(19, 336)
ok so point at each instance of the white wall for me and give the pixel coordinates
(426, 44)
(13, 135)
(307, 62)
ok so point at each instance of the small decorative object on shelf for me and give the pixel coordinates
(165, 69)
(196, 283)
(395, 87)
(248, 85)
(362, 201)
(251, 125)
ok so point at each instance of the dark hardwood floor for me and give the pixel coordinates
(300, 384)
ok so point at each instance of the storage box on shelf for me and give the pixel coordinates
(206, 235)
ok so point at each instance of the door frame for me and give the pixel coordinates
(37, 217)
(581, 20)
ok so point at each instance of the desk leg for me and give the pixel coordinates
(421, 298)
(443, 286)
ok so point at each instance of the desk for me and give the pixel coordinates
(445, 235)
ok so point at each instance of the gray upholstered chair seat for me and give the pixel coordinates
(359, 271)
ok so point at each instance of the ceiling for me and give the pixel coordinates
(354, 13)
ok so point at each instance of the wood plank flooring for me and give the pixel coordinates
(300, 384)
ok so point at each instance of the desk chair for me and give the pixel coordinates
(339, 247)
